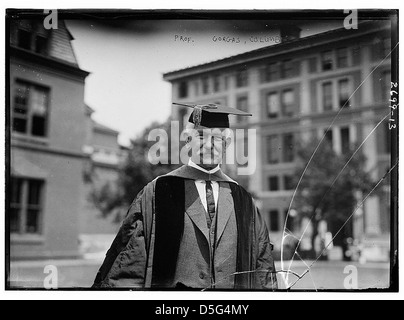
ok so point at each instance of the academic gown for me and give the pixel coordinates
(146, 249)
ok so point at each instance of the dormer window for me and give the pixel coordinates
(33, 37)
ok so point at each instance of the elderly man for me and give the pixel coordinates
(194, 228)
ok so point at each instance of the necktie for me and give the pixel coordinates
(210, 200)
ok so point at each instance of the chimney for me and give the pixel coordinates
(290, 32)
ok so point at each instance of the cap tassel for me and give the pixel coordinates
(197, 116)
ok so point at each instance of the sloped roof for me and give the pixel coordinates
(103, 128)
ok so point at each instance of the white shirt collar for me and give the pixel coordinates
(194, 165)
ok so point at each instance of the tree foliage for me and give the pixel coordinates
(134, 174)
(331, 184)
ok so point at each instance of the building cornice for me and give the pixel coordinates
(47, 62)
(48, 150)
(279, 49)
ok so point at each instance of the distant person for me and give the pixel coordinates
(323, 241)
(193, 228)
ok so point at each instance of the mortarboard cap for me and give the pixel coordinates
(212, 115)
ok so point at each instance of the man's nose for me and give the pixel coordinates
(209, 143)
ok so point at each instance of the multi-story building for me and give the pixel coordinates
(48, 127)
(295, 90)
(106, 156)
(54, 143)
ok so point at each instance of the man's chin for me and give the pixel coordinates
(209, 162)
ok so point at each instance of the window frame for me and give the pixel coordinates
(274, 179)
(289, 72)
(217, 83)
(24, 206)
(272, 72)
(339, 57)
(183, 89)
(269, 154)
(349, 88)
(34, 31)
(330, 60)
(242, 78)
(345, 148)
(285, 106)
(268, 106)
(205, 85)
(285, 148)
(239, 98)
(323, 96)
(30, 112)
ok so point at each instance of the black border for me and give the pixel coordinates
(125, 14)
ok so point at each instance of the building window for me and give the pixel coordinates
(288, 148)
(327, 96)
(274, 220)
(242, 104)
(205, 85)
(226, 82)
(273, 149)
(196, 88)
(342, 58)
(381, 48)
(242, 78)
(30, 110)
(327, 61)
(289, 183)
(25, 205)
(24, 39)
(344, 93)
(288, 103)
(345, 141)
(273, 183)
(33, 37)
(216, 83)
(329, 137)
(41, 44)
(271, 72)
(287, 69)
(313, 65)
(356, 56)
(273, 105)
(183, 90)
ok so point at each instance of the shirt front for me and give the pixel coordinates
(201, 185)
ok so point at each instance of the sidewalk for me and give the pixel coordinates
(78, 273)
(81, 273)
(335, 274)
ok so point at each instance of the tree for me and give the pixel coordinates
(135, 173)
(323, 196)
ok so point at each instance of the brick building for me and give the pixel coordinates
(52, 141)
(294, 91)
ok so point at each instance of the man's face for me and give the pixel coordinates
(207, 146)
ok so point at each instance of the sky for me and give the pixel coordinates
(127, 59)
